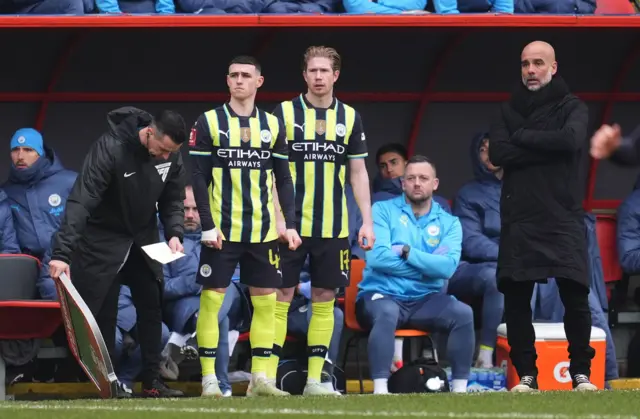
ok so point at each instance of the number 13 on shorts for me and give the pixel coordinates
(345, 260)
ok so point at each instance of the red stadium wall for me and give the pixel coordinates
(431, 82)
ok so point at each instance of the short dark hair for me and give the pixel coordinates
(171, 124)
(323, 52)
(418, 158)
(392, 148)
(247, 59)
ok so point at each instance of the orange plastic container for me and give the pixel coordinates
(553, 357)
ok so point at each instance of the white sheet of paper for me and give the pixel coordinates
(161, 252)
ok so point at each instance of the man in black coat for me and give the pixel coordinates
(607, 142)
(134, 168)
(540, 142)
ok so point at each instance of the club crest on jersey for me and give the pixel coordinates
(321, 126)
(163, 170)
(265, 136)
(341, 130)
(245, 134)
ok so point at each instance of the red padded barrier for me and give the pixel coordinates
(479, 20)
(606, 233)
(29, 319)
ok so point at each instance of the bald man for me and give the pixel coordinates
(540, 142)
(607, 142)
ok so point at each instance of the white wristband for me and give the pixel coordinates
(209, 235)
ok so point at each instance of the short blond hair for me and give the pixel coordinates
(322, 52)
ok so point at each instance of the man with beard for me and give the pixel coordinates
(37, 191)
(326, 136)
(417, 248)
(132, 172)
(539, 141)
(391, 160)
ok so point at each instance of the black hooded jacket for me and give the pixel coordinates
(540, 140)
(113, 202)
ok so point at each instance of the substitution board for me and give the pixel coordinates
(85, 339)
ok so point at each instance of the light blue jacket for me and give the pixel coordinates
(436, 243)
(112, 6)
(38, 196)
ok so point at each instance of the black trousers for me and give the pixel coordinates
(101, 296)
(521, 335)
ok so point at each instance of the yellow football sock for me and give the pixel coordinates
(319, 337)
(262, 332)
(207, 331)
(282, 313)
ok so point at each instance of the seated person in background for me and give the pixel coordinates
(8, 238)
(477, 205)
(298, 324)
(391, 160)
(628, 232)
(37, 190)
(558, 7)
(128, 362)
(182, 293)
(181, 297)
(45, 7)
(136, 6)
(417, 248)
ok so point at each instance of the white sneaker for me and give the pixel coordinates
(582, 383)
(263, 387)
(317, 389)
(528, 384)
(210, 388)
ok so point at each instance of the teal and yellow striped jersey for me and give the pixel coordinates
(236, 157)
(320, 143)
